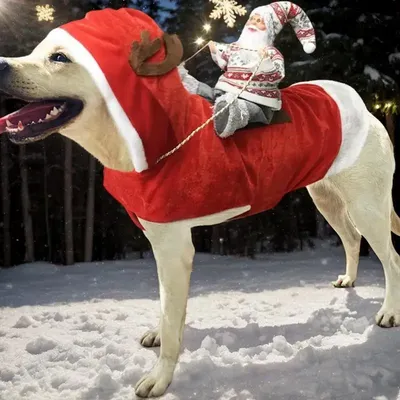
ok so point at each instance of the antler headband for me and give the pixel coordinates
(145, 49)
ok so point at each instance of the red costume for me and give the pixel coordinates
(208, 174)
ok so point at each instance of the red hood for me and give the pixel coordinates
(147, 111)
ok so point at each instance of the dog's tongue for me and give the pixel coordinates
(33, 112)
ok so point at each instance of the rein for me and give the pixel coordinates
(199, 128)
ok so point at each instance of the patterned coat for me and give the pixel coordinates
(239, 64)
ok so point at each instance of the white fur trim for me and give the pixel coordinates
(124, 126)
(275, 104)
(355, 123)
(159, 229)
(309, 47)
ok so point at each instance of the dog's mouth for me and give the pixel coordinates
(39, 119)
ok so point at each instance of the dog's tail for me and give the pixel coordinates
(395, 219)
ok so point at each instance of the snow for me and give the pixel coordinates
(358, 42)
(394, 58)
(270, 328)
(314, 11)
(333, 36)
(375, 75)
(372, 73)
(362, 18)
(301, 64)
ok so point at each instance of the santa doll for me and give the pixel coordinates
(239, 60)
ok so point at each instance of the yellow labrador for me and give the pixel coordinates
(354, 198)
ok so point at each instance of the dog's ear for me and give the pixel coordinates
(143, 50)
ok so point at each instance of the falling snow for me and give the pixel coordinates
(45, 13)
(227, 9)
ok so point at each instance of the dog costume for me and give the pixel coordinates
(154, 114)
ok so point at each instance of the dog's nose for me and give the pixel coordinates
(4, 65)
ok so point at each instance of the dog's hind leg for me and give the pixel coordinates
(173, 251)
(328, 201)
(366, 189)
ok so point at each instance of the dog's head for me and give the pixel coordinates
(59, 93)
(86, 83)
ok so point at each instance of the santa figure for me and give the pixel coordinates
(261, 98)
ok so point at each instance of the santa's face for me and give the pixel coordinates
(254, 34)
(256, 22)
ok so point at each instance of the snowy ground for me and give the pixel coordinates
(256, 330)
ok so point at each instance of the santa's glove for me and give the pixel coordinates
(191, 84)
(183, 72)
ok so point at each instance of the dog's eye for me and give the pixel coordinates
(59, 57)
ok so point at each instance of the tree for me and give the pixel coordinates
(155, 9)
(68, 209)
(46, 202)
(5, 195)
(118, 3)
(354, 53)
(26, 206)
(90, 203)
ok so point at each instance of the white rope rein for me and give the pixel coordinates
(199, 128)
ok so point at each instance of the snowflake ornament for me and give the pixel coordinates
(45, 13)
(228, 9)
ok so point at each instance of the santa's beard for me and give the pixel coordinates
(253, 38)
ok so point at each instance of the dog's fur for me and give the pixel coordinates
(356, 201)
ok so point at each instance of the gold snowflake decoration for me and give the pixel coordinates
(45, 13)
(228, 9)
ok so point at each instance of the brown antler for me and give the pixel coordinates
(143, 50)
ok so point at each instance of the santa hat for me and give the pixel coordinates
(277, 14)
(102, 43)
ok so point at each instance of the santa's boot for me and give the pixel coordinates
(238, 115)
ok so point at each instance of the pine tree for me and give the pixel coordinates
(5, 194)
(354, 44)
(155, 9)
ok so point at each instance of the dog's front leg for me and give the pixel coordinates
(173, 251)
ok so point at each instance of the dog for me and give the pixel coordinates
(355, 199)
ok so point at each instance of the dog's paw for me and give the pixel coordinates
(344, 281)
(151, 339)
(388, 317)
(156, 382)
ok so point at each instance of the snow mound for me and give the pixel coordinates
(24, 322)
(40, 345)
